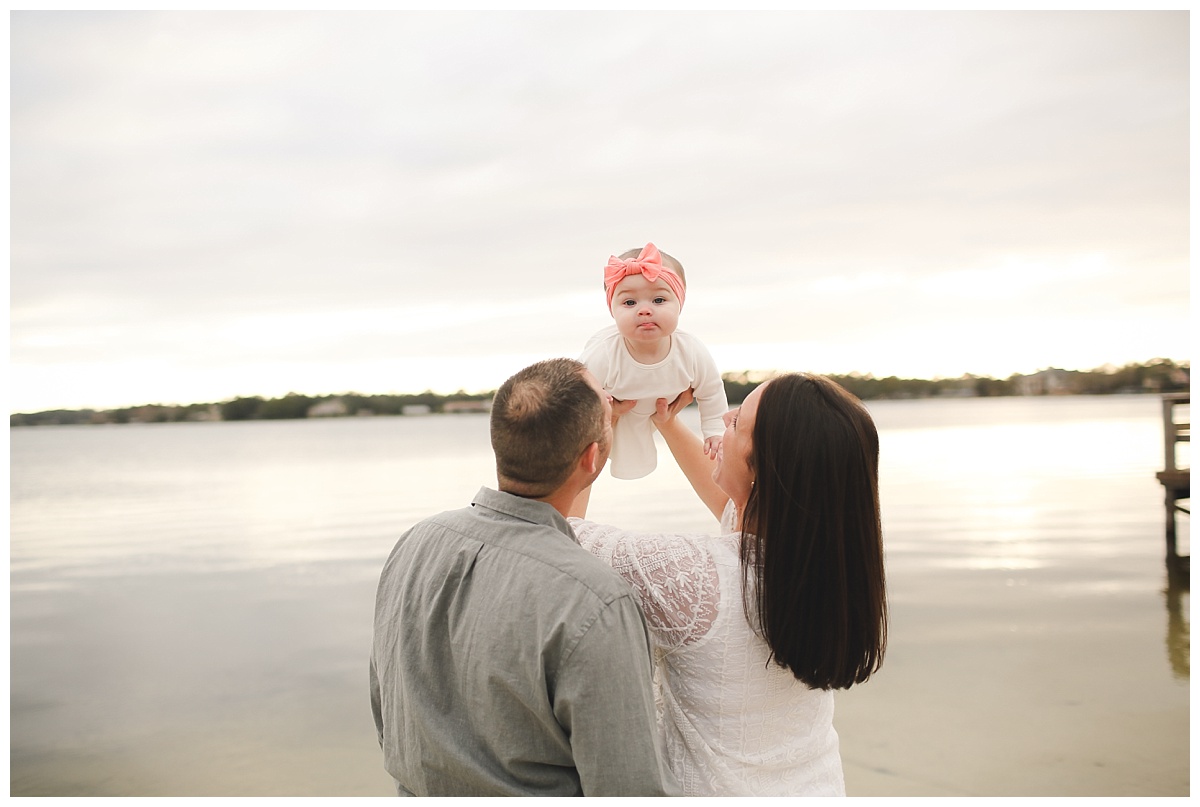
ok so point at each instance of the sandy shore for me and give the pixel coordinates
(1004, 685)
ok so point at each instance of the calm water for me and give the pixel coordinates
(191, 603)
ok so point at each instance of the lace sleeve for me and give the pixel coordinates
(673, 577)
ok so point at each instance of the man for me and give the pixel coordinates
(507, 660)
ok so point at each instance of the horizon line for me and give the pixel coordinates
(752, 376)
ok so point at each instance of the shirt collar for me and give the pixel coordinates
(525, 509)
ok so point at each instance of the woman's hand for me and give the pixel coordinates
(665, 412)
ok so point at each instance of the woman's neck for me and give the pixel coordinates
(649, 352)
(739, 507)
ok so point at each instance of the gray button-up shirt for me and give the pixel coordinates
(509, 661)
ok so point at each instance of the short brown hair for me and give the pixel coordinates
(812, 550)
(542, 420)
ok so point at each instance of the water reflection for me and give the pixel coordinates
(1179, 629)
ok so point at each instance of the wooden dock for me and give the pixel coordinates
(1176, 482)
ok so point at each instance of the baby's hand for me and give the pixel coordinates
(711, 446)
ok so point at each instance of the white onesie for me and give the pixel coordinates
(688, 364)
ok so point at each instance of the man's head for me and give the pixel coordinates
(543, 419)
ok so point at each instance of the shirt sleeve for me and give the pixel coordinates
(709, 392)
(594, 356)
(604, 701)
(673, 577)
(376, 703)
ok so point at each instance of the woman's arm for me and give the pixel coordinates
(674, 577)
(688, 451)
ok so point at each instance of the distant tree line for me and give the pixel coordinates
(290, 407)
(1158, 375)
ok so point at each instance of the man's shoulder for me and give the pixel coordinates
(561, 556)
(452, 520)
(553, 559)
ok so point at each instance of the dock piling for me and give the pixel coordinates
(1176, 482)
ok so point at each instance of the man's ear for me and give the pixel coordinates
(589, 458)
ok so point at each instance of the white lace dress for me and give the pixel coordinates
(733, 724)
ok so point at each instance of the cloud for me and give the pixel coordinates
(207, 188)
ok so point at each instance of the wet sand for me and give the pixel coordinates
(995, 686)
(249, 683)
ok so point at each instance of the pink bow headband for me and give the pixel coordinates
(649, 264)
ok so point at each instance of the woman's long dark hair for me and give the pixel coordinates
(812, 552)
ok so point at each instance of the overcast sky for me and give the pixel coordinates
(212, 205)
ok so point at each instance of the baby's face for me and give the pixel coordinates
(645, 311)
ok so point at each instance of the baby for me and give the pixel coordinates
(643, 357)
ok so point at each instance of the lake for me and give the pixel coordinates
(191, 603)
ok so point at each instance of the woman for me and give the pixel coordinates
(755, 628)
